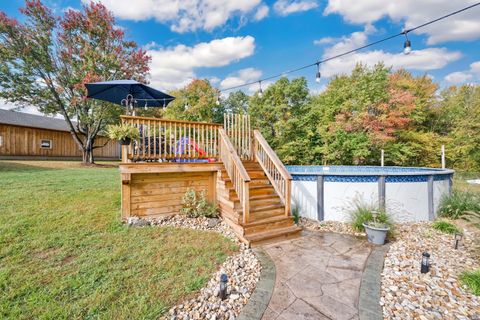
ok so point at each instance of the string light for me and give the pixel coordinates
(407, 44)
(218, 101)
(260, 91)
(164, 104)
(318, 76)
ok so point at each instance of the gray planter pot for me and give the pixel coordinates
(376, 234)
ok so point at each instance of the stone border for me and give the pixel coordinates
(260, 298)
(369, 307)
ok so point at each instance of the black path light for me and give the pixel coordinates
(223, 286)
(425, 266)
(458, 238)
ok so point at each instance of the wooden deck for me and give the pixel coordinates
(238, 171)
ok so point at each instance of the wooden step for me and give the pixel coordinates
(276, 222)
(274, 235)
(268, 207)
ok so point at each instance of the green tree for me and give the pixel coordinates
(278, 113)
(196, 102)
(236, 102)
(46, 60)
(458, 121)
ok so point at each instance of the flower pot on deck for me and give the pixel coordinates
(125, 141)
(376, 232)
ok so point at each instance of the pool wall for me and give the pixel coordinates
(408, 194)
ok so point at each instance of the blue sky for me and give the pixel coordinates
(233, 42)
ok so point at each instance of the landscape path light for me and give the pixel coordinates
(425, 266)
(458, 238)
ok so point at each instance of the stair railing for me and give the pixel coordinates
(236, 172)
(274, 169)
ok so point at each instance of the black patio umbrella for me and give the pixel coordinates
(129, 93)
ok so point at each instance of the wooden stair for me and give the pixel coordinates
(268, 222)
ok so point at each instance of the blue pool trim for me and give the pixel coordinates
(368, 173)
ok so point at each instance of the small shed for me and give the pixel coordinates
(29, 136)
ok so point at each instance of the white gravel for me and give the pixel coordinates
(329, 226)
(408, 294)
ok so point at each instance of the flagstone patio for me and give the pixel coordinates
(318, 276)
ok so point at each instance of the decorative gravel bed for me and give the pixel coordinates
(242, 269)
(408, 294)
(329, 226)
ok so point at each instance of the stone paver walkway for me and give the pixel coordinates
(318, 276)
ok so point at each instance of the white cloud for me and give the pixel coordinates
(286, 7)
(174, 67)
(241, 77)
(461, 77)
(458, 77)
(475, 68)
(427, 59)
(325, 40)
(463, 26)
(261, 13)
(182, 15)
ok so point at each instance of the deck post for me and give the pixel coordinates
(246, 202)
(124, 154)
(288, 198)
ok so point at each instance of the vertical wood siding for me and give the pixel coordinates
(24, 141)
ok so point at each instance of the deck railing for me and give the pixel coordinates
(236, 172)
(273, 168)
(162, 139)
(237, 127)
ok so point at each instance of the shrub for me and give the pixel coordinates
(362, 213)
(445, 227)
(458, 203)
(120, 132)
(471, 279)
(296, 214)
(195, 204)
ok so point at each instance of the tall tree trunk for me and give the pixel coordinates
(87, 151)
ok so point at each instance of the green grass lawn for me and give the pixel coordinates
(64, 254)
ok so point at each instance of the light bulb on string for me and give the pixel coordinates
(164, 104)
(318, 75)
(260, 91)
(407, 46)
(218, 101)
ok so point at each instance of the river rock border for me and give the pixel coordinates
(260, 298)
(243, 271)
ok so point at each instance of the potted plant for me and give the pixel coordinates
(376, 230)
(123, 133)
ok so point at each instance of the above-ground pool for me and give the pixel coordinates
(330, 192)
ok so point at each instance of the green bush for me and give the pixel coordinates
(362, 213)
(471, 279)
(195, 204)
(457, 204)
(120, 132)
(445, 227)
(296, 214)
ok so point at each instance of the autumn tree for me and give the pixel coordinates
(195, 102)
(46, 60)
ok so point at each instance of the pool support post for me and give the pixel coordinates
(381, 193)
(320, 198)
(431, 213)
